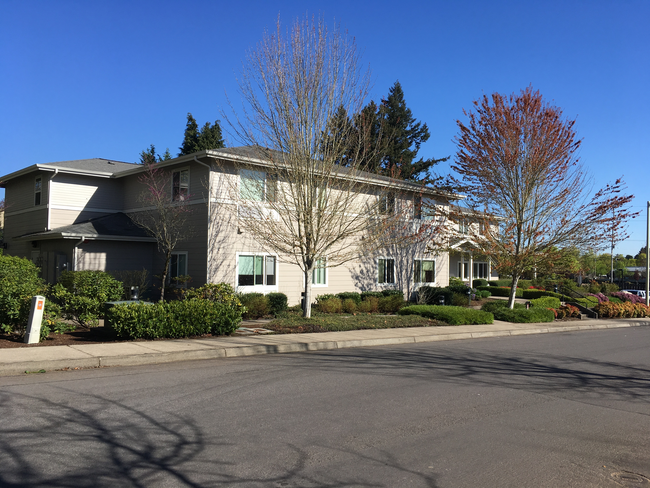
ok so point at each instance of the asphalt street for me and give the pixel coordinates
(553, 410)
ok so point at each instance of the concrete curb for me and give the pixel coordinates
(23, 360)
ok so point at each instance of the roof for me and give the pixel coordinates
(92, 167)
(112, 227)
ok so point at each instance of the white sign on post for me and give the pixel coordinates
(33, 334)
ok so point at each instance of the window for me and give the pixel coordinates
(424, 271)
(387, 204)
(386, 270)
(417, 207)
(463, 270)
(481, 270)
(463, 227)
(257, 186)
(38, 184)
(178, 265)
(320, 276)
(180, 185)
(256, 270)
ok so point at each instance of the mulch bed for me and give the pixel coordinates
(94, 335)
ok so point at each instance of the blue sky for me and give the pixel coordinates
(83, 79)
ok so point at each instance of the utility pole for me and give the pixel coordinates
(647, 262)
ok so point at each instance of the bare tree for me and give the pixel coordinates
(517, 158)
(165, 212)
(303, 204)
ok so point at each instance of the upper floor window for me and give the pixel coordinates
(257, 186)
(387, 203)
(463, 227)
(422, 210)
(386, 270)
(38, 185)
(180, 185)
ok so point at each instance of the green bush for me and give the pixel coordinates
(278, 303)
(392, 293)
(330, 305)
(352, 295)
(256, 305)
(521, 315)
(369, 305)
(215, 292)
(494, 305)
(546, 302)
(82, 294)
(326, 296)
(449, 314)
(133, 277)
(172, 319)
(374, 294)
(459, 300)
(483, 293)
(430, 295)
(349, 305)
(479, 282)
(500, 282)
(499, 291)
(19, 282)
(391, 304)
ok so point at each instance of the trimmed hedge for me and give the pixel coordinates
(171, 319)
(520, 315)
(500, 291)
(449, 314)
(256, 305)
(351, 295)
(278, 302)
(494, 305)
(546, 302)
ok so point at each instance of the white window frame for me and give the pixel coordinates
(325, 271)
(463, 226)
(476, 270)
(264, 287)
(388, 203)
(421, 260)
(171, 272)
(385, 259)
(462, 267)
(38, 190)
(181, 185)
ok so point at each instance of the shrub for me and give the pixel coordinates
(608, 288)
(278, 302)
(479, 282)
(391, 304)
(256, 305)
(82, 294)
(483, 294)
(588, 302)
(330, 305)
(627, 297)
(134, 277)
(455, 281)
(349, 305)
(369, 305)
(171, 319)
(458, 300)
(374, 294)
(521, 315)
(570, 310)
(19, 282)
(499, 304)
(215, 292)
(531, 294)
(546, 302)
(430, 295)
(599, 296)
(352, 295)
(327, 296)
(501, 291)
(392, 293)
(500, 283)
(450, 315)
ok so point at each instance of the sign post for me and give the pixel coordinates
(33, 334)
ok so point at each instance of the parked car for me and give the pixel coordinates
(639, 293)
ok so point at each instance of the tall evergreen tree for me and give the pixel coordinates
(149, 156)
(209, 137)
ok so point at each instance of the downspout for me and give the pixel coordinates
(49, 199)
(209, 250)
(74, 253)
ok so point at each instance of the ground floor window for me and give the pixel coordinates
(481, 271)
(463, 270)
(256, 270)
(386, 270)
(424, 271)
(178, 265)
(320, 276)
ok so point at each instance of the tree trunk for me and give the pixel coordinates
(513, 291)
(163, 275)
(306, 309)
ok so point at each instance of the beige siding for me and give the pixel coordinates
(19, 193)
(23, 223)
(84, 192)
(60, 218)
(114, 256)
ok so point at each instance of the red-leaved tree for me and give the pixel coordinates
(518, 164)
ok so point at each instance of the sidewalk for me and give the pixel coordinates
(21, 360)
